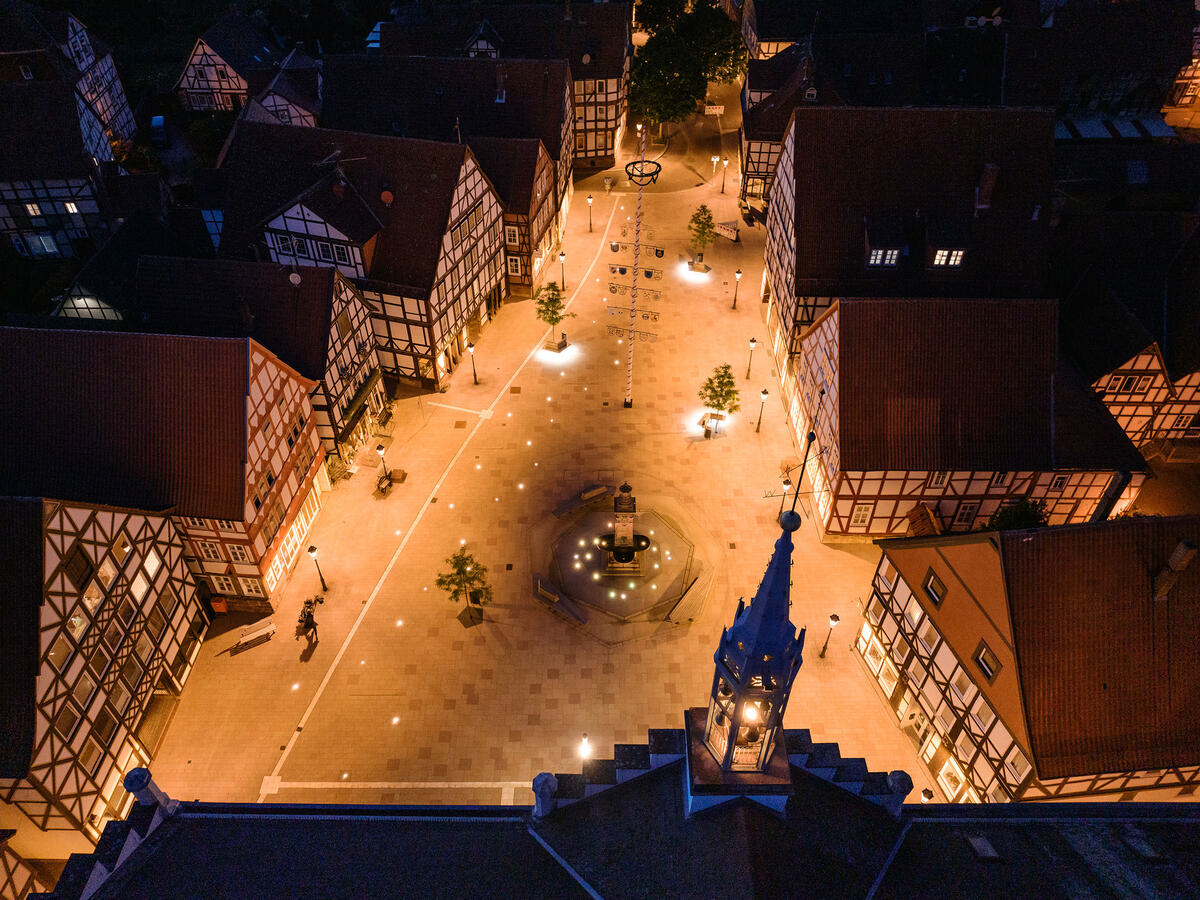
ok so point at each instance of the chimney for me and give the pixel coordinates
(339, 189)
(1184, 553)
(500, 83)
(987, 184)
(544, 787)
(139, 783)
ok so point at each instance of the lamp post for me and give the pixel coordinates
(590, 198)
(833, 620)
(471, 351)
(312, 551)
(750, 361)
(737, 280)
(715, 160)
(562, 267)
(787, 483)
(724, 171)
(812, 436)
(761, 407)
(379, 450)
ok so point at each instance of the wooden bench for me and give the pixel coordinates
(256, 633)
(557, 602)
(587, 495)
(384, 483)
(688, 606)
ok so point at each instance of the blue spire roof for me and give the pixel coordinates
(762, 639)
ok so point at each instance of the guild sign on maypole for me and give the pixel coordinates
(641, 172)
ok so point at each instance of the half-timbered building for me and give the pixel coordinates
(216, 430)
(970, 220)
(313, 319)
(958, 407)
(49, 181)
(415, 224)
(1050, 664)
(54, 45)
(458, 100)
(220, 61)
(101, 627)
(290, 91)
(522, 173)
(593, 38)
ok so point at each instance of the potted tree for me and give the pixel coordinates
(719, 393)
(551, 309)
(703, 231)
(466, 580)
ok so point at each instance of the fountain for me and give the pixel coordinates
(623, 545)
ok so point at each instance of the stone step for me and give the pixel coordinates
(111, 843)
(824, 760)
(631, 760)
(571, 787)
(598, 774)
(666, 745)
(851, 774)
(798, 742)
(75, 876)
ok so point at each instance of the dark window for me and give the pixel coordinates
(98, 662)
(934, 589)
(988, 664)
(105, 725)
(78, 567)
(66, 720)
(156, 624)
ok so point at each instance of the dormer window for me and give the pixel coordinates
(885, 241)
(948, 258)
(887, 256)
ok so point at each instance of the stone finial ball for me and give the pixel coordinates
(899, 782)
(789, 520)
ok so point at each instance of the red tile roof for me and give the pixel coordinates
(269, 167)
(938, 384)
(1110, 677)
(927, 162)
(143, 421)
(232, 298)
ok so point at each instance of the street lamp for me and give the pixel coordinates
(471, 350)
(787, 483)
(762, 406)
(379, 450)
(715, 160)
(590, 199)
(750, 361)
(312, 551)
(724, 171)
(833, 620)
(737, 280)
(562, 267)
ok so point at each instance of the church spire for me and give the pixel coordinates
(756, 662)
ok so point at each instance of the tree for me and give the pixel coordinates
(656, 16)
(715, 40)
(550, 306)
(1025, 513)
(702, 229)
(720, 392)
(466, 580)
(665, 82)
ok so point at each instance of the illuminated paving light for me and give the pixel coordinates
(296, 686)
(425, 589)
(652, 531)
(622, 596)
(581, 542)
(399, 622)
(510, 415)
(362, 662)
(478, 466)
(579, 565)
(654, 587)
(595, 576)
(345, 775)
(656, 565)
(395, 720)
(452, 506)
(587, 556)
(577, 555)
(562, 374)
(632, 585)
(397, 531)
(612, 593)
(529, 443)
(548, 399)
(497, 499)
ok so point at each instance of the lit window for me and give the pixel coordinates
(106, 573)
(151, 562)
(514, 265)
(988, 664)
(252, 587)
(237, 552)
(934, 589)
(71, 207)
(861, 515)
(510, 234)
(341, 254)
(900, 650)
(223, 583)
(884, 257)
(913, 611)
(888, 572)
(961, 682)
(210, 550)
(875, 610)
(33, 209)
(950, 258)
(1017, 764)
(983, 715)
(928, 635)
(77, 624)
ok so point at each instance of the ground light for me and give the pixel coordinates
(585, 747)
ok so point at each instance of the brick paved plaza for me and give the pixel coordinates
(398, 702)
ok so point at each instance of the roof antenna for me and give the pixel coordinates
(457, 130)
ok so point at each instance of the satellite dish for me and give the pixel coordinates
(387, 198)
(587, 58)
(294, 278)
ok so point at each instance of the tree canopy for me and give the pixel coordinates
(687, 49)
(466, 580)
(702, 229)
(1025, 513)
(720, 392)
(550, 306)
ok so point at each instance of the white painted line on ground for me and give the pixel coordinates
(474, 412)
(506, 795)
(362, 613)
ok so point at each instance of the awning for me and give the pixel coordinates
(358, 405)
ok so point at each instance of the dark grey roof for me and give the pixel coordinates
(40, 135)
(20, 611)
(243, 42)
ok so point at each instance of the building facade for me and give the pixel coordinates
(969, 639)
(214, 77)
(893, 433)
(116, 625)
